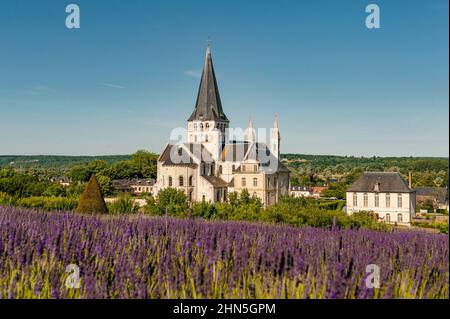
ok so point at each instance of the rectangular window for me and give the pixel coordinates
(255, 182)
(244, 182)
(355, 199)
(366, 200)
(377, 200)
(399, 200)
(388, 200)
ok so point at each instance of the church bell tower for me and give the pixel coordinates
(208, 123)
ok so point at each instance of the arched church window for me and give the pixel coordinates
(220, 169)
(190, 180)
(170, 181)
(207, 125)
(181, 181)
(195, 126)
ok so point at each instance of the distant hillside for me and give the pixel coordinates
(344, 164)
(53, 161)
(316, 169)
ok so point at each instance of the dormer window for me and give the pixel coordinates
(376, 188)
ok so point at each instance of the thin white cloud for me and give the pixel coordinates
(41, 88)
(194, 73)
(33, 91)
(110, 85)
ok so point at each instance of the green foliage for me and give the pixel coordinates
(313, 170)
(124, 205)
(55, 190)
(7, 200)
(105, 184)
(91, 201)
(426, 204)
(302, 212)
(368, 220)
(142, 164)
(168, 201)
(443, 227)
(54, 162)
(21, 184)
(145, 163)
(48, 203)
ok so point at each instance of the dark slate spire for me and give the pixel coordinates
(208, 106)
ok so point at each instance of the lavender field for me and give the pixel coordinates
(142, 257)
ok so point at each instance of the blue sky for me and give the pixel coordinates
(130, 74)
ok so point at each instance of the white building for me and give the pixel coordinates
(209, 166)
(301, 191)
(386, 194)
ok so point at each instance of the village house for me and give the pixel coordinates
(135, 186)
(438, 196)
(386, 194)
(300, 191)
(61, 180)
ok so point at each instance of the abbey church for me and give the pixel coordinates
(209, 166)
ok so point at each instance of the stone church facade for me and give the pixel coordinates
(208, 167)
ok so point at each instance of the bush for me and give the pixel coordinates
(443, 227)
(91, 201)
(168, 201)
(125, 204)
(6, 199)
(367, 220)
(48, 203)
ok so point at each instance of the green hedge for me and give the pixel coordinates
(44, 202)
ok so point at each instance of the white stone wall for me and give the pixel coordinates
(385, 211)
(164, 172)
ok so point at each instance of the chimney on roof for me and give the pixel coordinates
(410, 179)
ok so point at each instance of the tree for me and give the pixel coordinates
(170, 201)
(145, 162)
(79, 173)
(105, 184)
(91, 201)
(56, 190)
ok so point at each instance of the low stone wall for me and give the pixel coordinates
(140, 201)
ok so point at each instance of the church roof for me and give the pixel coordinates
(186, 154)
(235, 152)
(215, 181)
(208, 106)
(388, 182)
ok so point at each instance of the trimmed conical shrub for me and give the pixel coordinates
(91, 201)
